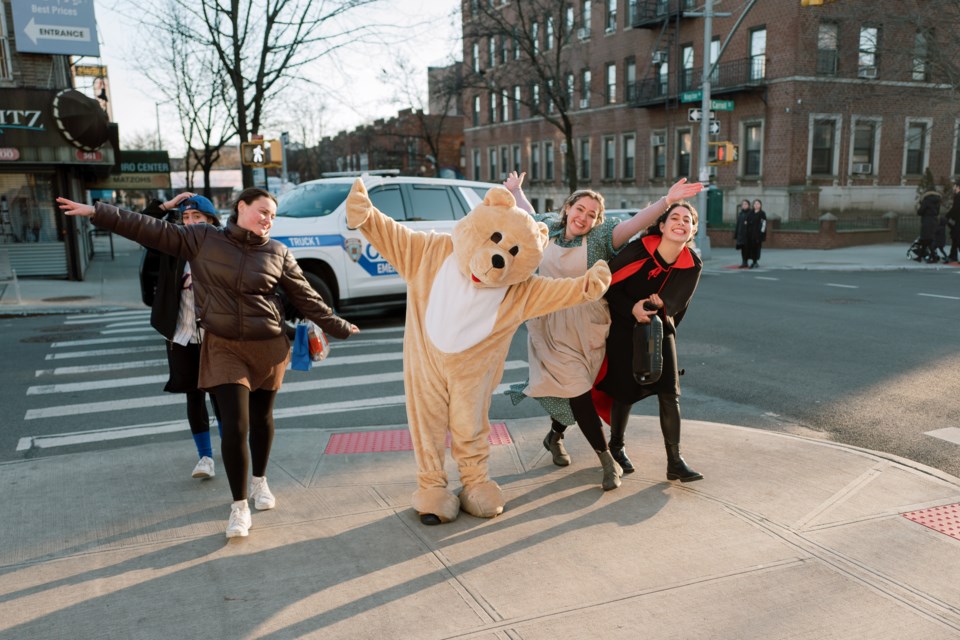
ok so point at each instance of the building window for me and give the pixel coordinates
(609, 158)
(629, 164)
(504, 49)
(658, 149)
(504, 106)
(549, 35)
(867, 59)
(823, 146)
(758, 54)
(752, 148)
(569, 21)
(663, 77)
(516, 44)
(548, 162)
(714, 55)
(492, 58)
(920, 57)
(570, 87)
(584, 88)
(631, 12)
(864, 147)
(504, 161)
(585, 16)
(684, 149)
(535, 98)
(492, 156)
(535, 37)
(584, 158)
(535, 161)
(517, 98)
(630, 78)
(493, 107)
(828, 35)
(611, 85)
(476, 57)
(476, 111)
(687, 58)
(517, 166)
(550, 95)
(611, 16)
(916, 148)
(476, 165)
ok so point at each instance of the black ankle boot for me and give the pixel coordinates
(677, 468)
(620, 455)
(554, 444)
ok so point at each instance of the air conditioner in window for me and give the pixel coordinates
(583, 33)
(659, 139)
(659, 57)
(584, 103)
(867, 72)
(862, 167)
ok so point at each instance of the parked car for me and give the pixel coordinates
(338, 262)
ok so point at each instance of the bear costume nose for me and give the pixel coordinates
(498, 262)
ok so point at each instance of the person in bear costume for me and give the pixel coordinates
(467, 293)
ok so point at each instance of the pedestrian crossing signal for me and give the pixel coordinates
(266, 153)
(722, 153)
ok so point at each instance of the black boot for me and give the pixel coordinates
(554, 444)
(677, 468)
(619, 414)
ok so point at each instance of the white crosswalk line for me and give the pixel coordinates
(99, 353)
(109, 315)
(93, 385)
(94, 341)
(96, 368)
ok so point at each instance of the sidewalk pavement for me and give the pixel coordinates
(786, 536)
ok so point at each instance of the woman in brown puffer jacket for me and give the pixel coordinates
(236, 273)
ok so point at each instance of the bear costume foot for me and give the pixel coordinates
(483, 500)
(435, 505)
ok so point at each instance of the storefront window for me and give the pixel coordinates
(27, 209)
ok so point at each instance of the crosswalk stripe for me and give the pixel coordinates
(109, 315)
(99, 353)
(168, 399)
(96, 368)
(93, 341)
(93, 385)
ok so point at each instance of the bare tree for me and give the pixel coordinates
(529, 41)
(140, 140)
(305, 121)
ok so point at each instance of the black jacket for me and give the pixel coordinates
(751, 228)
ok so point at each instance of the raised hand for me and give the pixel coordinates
(682, 190)
(71, 208)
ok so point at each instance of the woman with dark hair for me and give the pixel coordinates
(658, 269)
(236, 273)
(565, 348)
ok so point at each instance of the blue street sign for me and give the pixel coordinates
(56, 27)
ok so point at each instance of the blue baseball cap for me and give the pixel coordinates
(201, 204)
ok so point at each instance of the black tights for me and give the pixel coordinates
(588, 421)
(244, 413)
(197, 414)
(669, 420)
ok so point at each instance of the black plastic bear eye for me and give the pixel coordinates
(514, 250)
(496, 237)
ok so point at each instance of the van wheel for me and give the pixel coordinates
(321, 288)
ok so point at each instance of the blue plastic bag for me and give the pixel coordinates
(300, 357)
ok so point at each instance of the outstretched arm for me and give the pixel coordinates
(546, 295)
(514, 184)
(681, 190)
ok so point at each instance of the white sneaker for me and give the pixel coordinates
(260, 493)
(239, 524)
(204, 468)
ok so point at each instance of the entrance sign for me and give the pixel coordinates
(56, 27)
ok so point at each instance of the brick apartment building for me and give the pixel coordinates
(839, 107)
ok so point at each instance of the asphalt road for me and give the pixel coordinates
(863, 358)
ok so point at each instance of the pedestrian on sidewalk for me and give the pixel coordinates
(953, 222)
(565, 348)
(659, 269)
(245, 350)
(167, 286)
(750, 232)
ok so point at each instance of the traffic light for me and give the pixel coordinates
(266, 153)
(722, 153)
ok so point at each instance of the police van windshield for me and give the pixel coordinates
(311, 200)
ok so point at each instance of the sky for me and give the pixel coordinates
(422, 31)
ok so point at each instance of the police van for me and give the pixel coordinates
(339, 262)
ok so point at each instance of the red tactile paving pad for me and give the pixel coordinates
(945, 519)
(395, 440)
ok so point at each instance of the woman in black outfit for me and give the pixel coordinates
(658, 268)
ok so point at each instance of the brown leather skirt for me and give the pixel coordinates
(256, 364)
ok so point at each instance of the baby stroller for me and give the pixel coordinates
(931, 251)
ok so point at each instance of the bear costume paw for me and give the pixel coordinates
(436, 502)
(483, 500)
(598, 280)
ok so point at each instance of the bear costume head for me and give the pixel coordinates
(497, 244)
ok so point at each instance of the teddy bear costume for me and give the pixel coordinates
(467, 294)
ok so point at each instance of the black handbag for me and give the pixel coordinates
(648, 351)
